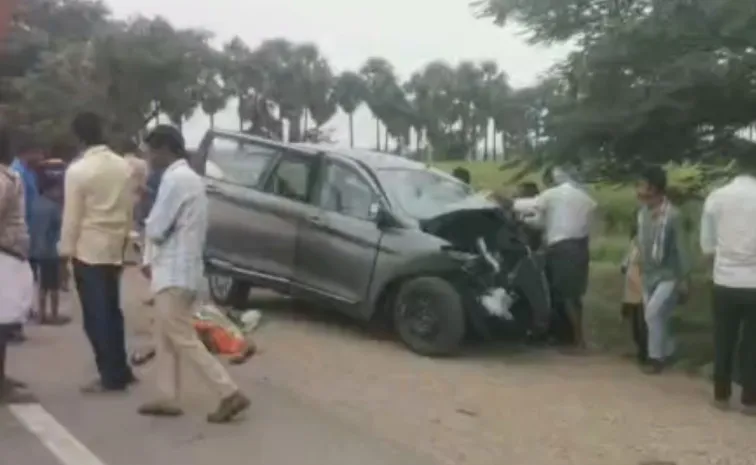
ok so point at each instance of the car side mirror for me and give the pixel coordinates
(382, 217)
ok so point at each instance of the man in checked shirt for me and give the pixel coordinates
(175, 230)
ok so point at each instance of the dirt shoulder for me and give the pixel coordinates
(495, 406)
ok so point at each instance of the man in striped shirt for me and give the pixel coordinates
(175, 230)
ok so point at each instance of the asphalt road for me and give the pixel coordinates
(280, 427)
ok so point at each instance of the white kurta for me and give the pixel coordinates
(16, 289)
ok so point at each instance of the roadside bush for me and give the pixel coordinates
(617, 203)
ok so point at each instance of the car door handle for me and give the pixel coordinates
(316, 220)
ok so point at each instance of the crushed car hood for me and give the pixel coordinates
(457, 210)
(513, 270)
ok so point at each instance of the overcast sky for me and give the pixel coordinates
(408, 33)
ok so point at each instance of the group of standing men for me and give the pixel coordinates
(564, 212)
(98, 219)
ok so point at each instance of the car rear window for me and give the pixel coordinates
(237, 162)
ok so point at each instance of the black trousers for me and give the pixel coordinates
(567, 268)
(99, 291)
(734, 329)
(633, 314)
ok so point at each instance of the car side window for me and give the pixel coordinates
(237, 162)
(292, 179)
(347, 192)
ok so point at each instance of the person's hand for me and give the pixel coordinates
(65, 276)
(146, 271)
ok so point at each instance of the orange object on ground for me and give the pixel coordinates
(218, 340)
(221, 336)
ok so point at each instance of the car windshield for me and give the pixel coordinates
(421, 193)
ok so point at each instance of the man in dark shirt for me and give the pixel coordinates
(46, 218)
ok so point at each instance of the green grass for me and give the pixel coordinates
(692, 321)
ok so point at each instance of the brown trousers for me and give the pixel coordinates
(176, 338)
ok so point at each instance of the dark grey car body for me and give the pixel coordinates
(276, 221)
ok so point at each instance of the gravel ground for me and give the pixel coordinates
(498, 405)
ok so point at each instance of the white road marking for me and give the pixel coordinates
(58, 440)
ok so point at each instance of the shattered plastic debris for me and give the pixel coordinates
(498, 302)
(487, 255)
(250, 320)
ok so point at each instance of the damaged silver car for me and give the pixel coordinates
(368, 234)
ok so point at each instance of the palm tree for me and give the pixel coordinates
(321, 99)
(350, 91)
(282, 83)
(318, 86)
(469, 82)
(495, 83)
(379, 76)
(213, 97)
(434, 95)
(500, 112)
(238, 74)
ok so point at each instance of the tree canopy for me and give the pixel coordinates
(648, 81)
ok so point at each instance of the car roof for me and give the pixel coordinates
(258, 140)
(371, 158)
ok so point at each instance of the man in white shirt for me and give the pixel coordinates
(728, 234)
(565, 211)
(175, 230)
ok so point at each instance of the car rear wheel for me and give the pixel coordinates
(429, 316)
(228, 291)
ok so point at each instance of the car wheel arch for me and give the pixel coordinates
(383, 303)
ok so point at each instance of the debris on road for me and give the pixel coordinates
(221, 332)
(222, 335)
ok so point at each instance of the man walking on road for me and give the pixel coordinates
(175, 229)
(728, 234)
(97, 218)
(566, 213)
(664, 264)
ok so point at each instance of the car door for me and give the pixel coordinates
(286, 201)
(234, 169)
(338, 243)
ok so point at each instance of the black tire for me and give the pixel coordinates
(429, 316)
(235, 294)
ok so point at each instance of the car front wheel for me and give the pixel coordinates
(228, 291)
(429, 316)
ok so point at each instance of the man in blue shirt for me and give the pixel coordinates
(47, 212)
(28, 156)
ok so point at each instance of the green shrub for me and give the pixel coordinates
(617, 203)
(609, 248)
